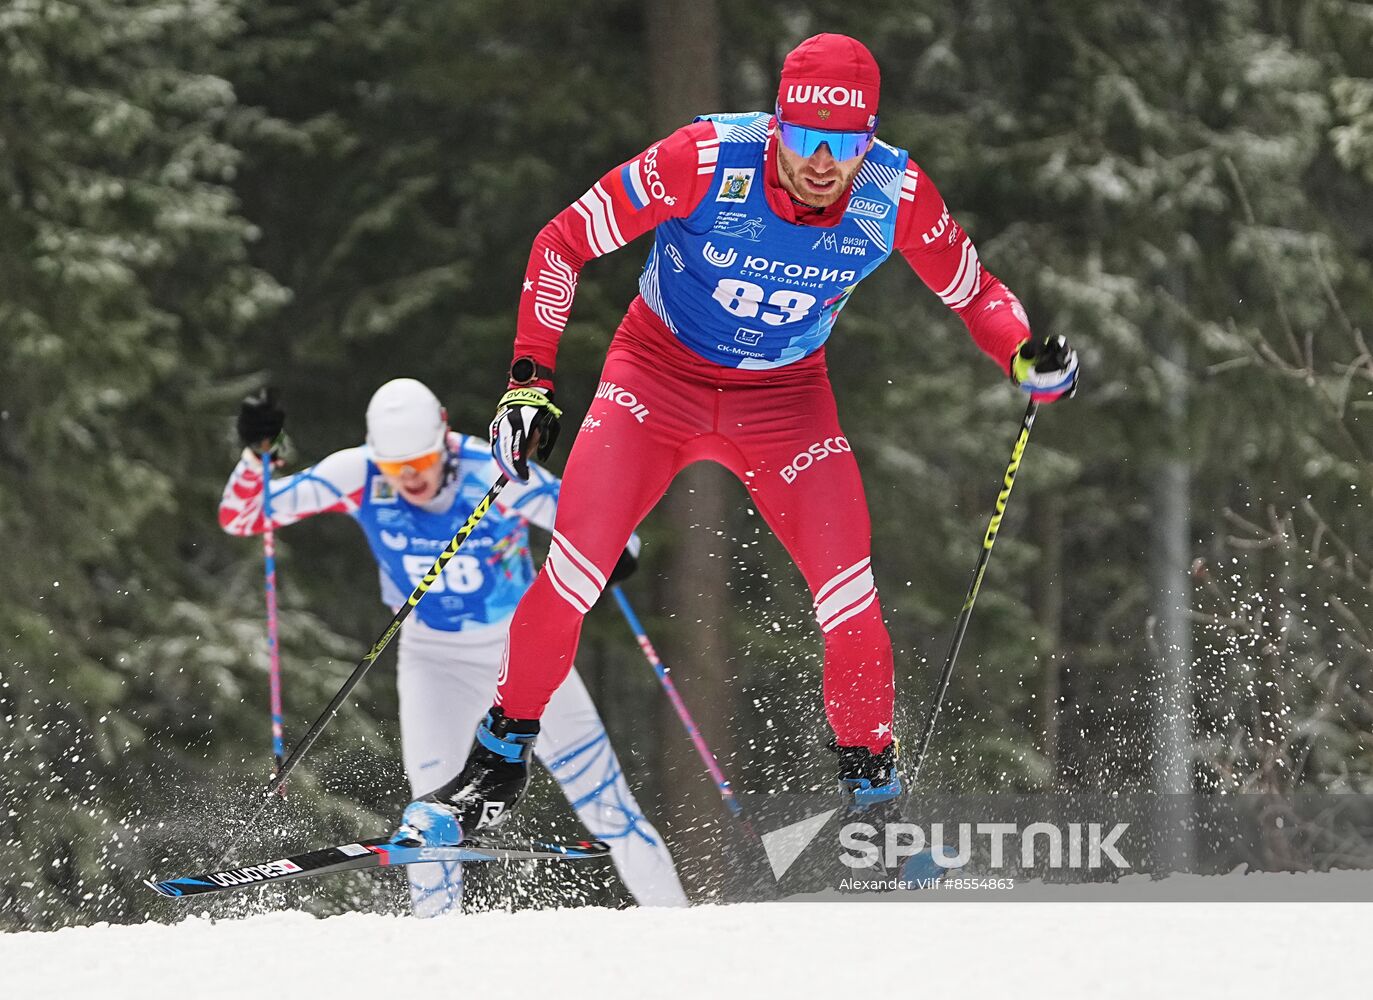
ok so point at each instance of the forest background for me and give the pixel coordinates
(198, 197)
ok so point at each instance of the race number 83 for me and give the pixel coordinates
(462, 575)
(745, 300)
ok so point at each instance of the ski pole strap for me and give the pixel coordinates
(988, 540)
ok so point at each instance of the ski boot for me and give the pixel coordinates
(870, 792)
(871, 786)
(868, 779)
(489, 785)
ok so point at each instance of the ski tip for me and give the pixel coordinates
(581, 848)
(175, 888)
(162, 888)
(569, 849)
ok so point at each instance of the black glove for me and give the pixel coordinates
(624, 568)
(523, 414)
(1047, 370)
(260, 421)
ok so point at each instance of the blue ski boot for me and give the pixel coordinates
(867, 779)
(871, 785)
(489, 785)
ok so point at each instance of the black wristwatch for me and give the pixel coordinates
(526, 371)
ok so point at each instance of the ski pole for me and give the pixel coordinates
(269, 561)
(299, 751)
(707, 758)
(988, 540)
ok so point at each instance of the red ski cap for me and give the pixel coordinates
(830, 82)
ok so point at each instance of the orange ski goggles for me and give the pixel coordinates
(417, 464)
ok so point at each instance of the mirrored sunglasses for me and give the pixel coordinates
(805, 141)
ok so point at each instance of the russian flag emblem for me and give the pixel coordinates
(634, 185)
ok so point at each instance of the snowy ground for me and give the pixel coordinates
(937, 948)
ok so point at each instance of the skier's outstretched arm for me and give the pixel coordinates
(944, 257)
(667, 180)
(333, 486)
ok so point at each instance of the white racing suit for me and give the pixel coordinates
(447, 683)
(451, 647)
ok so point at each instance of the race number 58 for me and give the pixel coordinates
(462, 575)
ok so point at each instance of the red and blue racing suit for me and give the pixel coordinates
(721, 357)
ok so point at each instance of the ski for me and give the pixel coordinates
(378, 853)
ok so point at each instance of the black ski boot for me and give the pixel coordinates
(865, 778)
(871, 786)
(489, 786)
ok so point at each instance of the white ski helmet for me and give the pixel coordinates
(405, 420)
